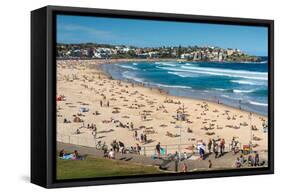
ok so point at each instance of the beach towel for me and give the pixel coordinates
(67, 157)
(83, 109)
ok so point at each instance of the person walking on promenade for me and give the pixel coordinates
(210, 146)
(222, 147)
(158, 149)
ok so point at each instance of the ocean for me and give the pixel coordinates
(241, 85)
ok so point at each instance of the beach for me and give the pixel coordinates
(118, 109)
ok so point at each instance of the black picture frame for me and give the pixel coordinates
(43, 95)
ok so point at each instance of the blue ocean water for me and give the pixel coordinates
(242, 85)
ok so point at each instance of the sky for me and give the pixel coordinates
(152, 33)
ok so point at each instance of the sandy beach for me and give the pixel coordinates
(86, 96)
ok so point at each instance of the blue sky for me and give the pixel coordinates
(148, 33)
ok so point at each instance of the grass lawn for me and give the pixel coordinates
(99, 167)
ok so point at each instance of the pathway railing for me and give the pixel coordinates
(147, 150)
(77, 140)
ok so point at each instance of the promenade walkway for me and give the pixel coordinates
(225, 162)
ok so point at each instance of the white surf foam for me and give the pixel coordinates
(243, 91)
(166, 64)
(248, 82)
(128, 67)
(220, 72)
(258, 103)
(173, 86)
(232, 98)
(129, 75)
(219, 89)
(182, 74)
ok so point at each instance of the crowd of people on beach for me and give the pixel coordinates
(142, 138)
(215, 146)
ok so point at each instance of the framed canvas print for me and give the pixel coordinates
(125, 96)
